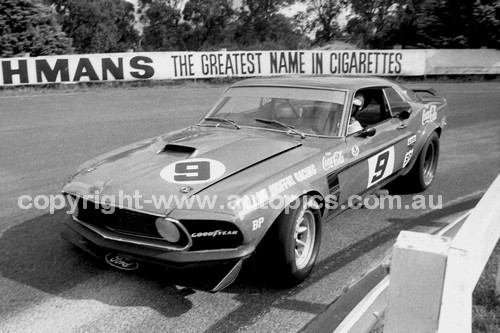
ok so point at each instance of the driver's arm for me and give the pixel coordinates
(354, 126)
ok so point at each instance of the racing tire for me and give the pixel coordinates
(423, 171)
(297, 241)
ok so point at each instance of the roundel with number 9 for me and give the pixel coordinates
(193, 171)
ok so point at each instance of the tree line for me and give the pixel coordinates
(48, 27)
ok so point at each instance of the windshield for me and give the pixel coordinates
(309, 111)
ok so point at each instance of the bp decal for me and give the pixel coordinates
(193, 171)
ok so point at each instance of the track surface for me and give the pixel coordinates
(46, 285)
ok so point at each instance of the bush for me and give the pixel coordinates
(29, 27)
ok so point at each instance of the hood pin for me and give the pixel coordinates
(186, 189)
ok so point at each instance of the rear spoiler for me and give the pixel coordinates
(429, 90)
(428, 95)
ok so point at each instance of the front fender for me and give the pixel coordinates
(272, 209)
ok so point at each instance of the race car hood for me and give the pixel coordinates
(146, 169)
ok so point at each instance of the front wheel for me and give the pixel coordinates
(298, 233)
(423, 172)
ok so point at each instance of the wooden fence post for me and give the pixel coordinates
(417, 276)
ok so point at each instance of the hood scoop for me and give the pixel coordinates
(175, 149)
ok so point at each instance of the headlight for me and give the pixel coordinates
(168, 230)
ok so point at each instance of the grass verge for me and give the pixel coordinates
(485, 311)
(214, 82)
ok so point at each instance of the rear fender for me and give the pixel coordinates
(421, 139)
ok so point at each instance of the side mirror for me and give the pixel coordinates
(404, 115)
(401, 110)
(368, 131)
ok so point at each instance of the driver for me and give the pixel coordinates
(357, 104)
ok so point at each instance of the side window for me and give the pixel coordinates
(396, 102)
(373, 109)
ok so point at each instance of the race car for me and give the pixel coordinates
(257, 176)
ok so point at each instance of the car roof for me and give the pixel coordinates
(325, 82)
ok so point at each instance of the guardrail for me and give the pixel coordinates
(432, 277)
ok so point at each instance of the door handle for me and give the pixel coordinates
(401, 127)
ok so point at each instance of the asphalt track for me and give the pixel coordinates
(46, 285)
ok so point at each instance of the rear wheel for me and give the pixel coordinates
(423, 171)
(298, 234)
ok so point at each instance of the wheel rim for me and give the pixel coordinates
(305, 233)
(429, 163)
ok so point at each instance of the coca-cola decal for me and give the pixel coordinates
(331, 160)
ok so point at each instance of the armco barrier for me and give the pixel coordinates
(111, 67)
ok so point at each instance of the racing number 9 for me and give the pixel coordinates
(192, 171)
(380, 167)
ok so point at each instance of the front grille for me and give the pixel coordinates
(212, 234)
(205, 234)
(120, 220)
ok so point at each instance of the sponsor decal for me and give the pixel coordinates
(263, 195)
(121, 262)
(193, 171)
(355, 150)
(332, 160)
(214, 233)
(429, 114)
(380, 166)
(255, 200)
(256, 224)
(411, 140)
(281, 185)
(305, 173)
(443, 122)
(407, 157)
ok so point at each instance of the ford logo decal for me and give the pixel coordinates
(121, 262)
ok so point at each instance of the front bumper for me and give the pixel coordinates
(219, 267)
